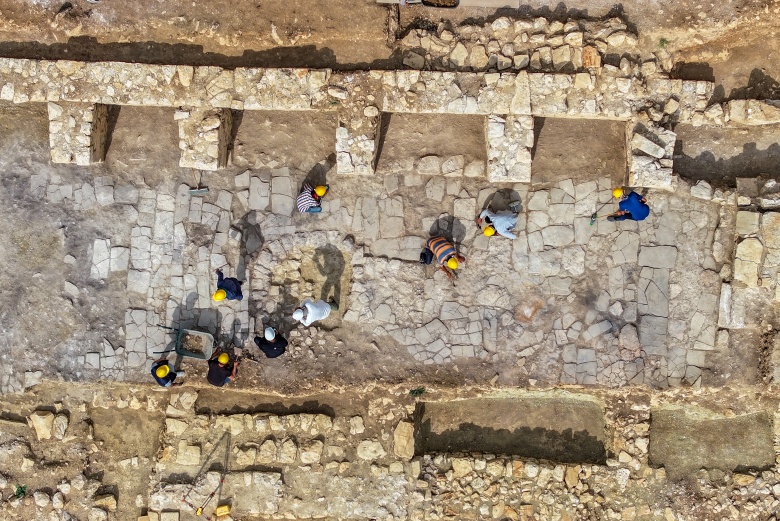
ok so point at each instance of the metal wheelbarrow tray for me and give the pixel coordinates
(205, 349)
(184, 345)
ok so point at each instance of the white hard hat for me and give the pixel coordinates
(298, 314)
(270, 334)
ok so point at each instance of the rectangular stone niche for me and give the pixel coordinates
(452, 145)
(563, 428)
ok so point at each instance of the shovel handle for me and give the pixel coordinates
(167, 327)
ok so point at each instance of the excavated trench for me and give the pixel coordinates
(564, 428)
(578, 149)
(719, 155)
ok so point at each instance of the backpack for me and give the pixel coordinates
(426, 256)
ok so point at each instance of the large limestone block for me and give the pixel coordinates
(770, 229)
(403, 440)
(370, 450)
(658, 256)
(43, 423)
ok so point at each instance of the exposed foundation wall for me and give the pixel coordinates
(360, 98)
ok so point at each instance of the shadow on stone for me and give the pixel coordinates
(450, 228)
(329, 261)
(722, 171)
(564, 430)
(214, 402)
(318, 173)
(760, 86)
(501, 199)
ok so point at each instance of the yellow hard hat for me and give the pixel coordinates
(162, 371)
(452, 263)
(223, 358)
(489, 231)
(617, 193)
(220, 294)
(321, 190)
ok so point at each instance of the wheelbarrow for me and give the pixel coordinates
(186, 339)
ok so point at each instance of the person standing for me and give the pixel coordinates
(311, 311)
(221, 370)
(272, 343)
(227, 288)
(164, 373)
(632, 206)
(310, 199)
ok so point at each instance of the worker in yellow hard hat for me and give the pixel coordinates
(444, 252)
(310, 199)
(227, 288)
(221, 369)
(164, 373)
(632, 206)
(501, 223)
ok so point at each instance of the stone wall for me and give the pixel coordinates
(634, 94)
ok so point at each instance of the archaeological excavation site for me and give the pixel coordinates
(389, 260)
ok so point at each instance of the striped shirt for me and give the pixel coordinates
(441, 248)
(305, 199)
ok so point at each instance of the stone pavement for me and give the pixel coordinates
(573, 302)
(611, 304)
(567, 302)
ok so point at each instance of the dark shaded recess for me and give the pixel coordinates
(565, 446)
(89, 49)
(213, 402)
(722, 172)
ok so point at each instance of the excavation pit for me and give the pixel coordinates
(560, 428)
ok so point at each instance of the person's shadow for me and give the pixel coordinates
(501, 199)
(330, 263)
(450, 228)
(318, 173)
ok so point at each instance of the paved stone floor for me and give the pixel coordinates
(566, 302)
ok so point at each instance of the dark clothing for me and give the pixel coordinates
(637, 210)
(426, 256)
(232, 287)
(273, 348)
(167, 381)
(217, 375)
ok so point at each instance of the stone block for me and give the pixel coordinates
(658, 256)
(641, 143)
(747, 222)
(101, 259)
(403, 440)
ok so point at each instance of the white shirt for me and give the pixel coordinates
(314, 311)
(502, 221)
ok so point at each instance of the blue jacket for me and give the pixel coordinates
(232, 287)
(637, 210)
(168, 379)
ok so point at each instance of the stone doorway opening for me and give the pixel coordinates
(142, 142)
